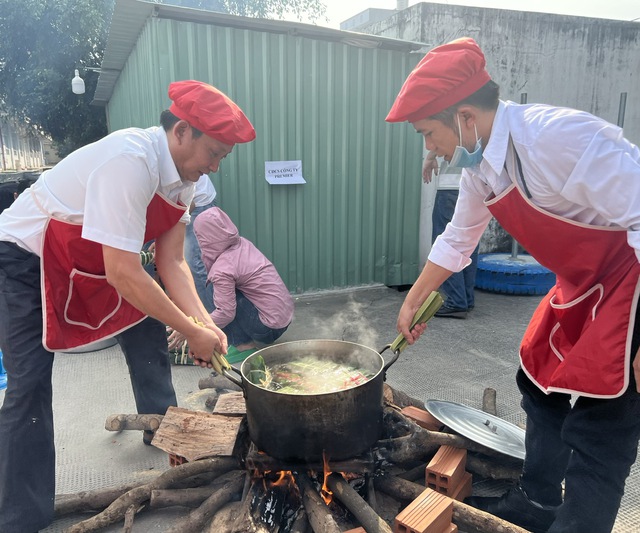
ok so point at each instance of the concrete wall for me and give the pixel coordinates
(578, 62)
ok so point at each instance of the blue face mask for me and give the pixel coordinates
(461, 156)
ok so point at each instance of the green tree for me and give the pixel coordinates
(312, 10)
(42, 42)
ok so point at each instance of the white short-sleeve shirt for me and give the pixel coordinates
(106, 186)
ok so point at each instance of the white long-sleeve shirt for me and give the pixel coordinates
(575, 165)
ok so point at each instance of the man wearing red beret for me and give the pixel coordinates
(71, 275)
(565, 184)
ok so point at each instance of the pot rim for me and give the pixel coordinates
(246, 381)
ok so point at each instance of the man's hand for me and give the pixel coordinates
(405, 317)
(175, 338)
(208, 357)
(429, 168)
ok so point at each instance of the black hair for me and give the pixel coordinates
(486, 97)
(168, 120)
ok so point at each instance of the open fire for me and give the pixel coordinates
(237, 489)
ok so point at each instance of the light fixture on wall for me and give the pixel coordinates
(77, 83)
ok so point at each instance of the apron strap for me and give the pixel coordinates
(519, 165)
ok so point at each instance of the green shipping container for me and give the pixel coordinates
(314, 94)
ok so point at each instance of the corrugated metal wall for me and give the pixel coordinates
(355, 221)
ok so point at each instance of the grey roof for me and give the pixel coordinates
(130, 17)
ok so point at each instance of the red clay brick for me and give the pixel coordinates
(176, 460)
(445, 470)
(423, 418)
(452, 529)
(430, 512)
(356, 530)
(463, 490)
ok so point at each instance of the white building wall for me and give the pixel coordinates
(19, 151)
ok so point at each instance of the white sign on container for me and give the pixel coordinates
(283, 172)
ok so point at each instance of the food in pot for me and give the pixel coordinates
(306, 375)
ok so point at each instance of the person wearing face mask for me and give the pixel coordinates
(565, 184)
(458, 289)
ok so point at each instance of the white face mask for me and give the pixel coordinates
(461, 156)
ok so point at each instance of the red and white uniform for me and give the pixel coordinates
(582, 222)
(69, 213)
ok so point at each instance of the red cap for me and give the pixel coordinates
(211, 111)
(445, 76)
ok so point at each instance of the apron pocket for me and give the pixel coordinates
(91, 300)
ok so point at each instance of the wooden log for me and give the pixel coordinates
(422, 442)
(223, 520)
(198, 518)
(489, 401)
(319, 515)
(90, 500)
(492, 469)
(123, 421)
(467, 518)
(217, 382)
(99, 499)
(128, 519)
(179, 497)
(367, 517)
(115, 512)
(187, 496)
(399, 398)
(301, 523)
(416, 473)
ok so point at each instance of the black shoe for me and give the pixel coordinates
(515, 507)
(449, 312)
(147, 436)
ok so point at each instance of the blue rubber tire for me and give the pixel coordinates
(504, 274)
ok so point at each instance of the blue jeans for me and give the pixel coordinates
(193, 256)
(27, 454)
(458, 288)
(591, 445)
(247, 327)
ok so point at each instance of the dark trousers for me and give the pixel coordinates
(27, 455)
(591, 445)
(457, 288)
(247, 326)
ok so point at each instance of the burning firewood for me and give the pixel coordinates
(367, 517)
(319, 515)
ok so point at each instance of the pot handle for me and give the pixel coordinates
(232, 378)
(396, 354)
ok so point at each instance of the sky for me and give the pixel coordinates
(340, 10)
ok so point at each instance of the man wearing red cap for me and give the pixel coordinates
(71, 275)
(565, 184)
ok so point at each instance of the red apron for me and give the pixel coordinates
(579, 338)
(79, 305)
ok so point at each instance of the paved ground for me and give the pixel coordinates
(455, 360)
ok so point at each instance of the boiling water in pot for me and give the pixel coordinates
(307, 375)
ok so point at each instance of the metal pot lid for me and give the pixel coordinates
(478, 426)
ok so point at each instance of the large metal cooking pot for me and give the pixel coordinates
(294, 427)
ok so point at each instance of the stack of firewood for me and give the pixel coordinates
(220, 492)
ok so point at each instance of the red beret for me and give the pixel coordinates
(211, 111)
(445, 76)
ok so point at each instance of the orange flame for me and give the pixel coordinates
(326, 494)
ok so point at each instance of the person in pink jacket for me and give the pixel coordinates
(252, 303)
